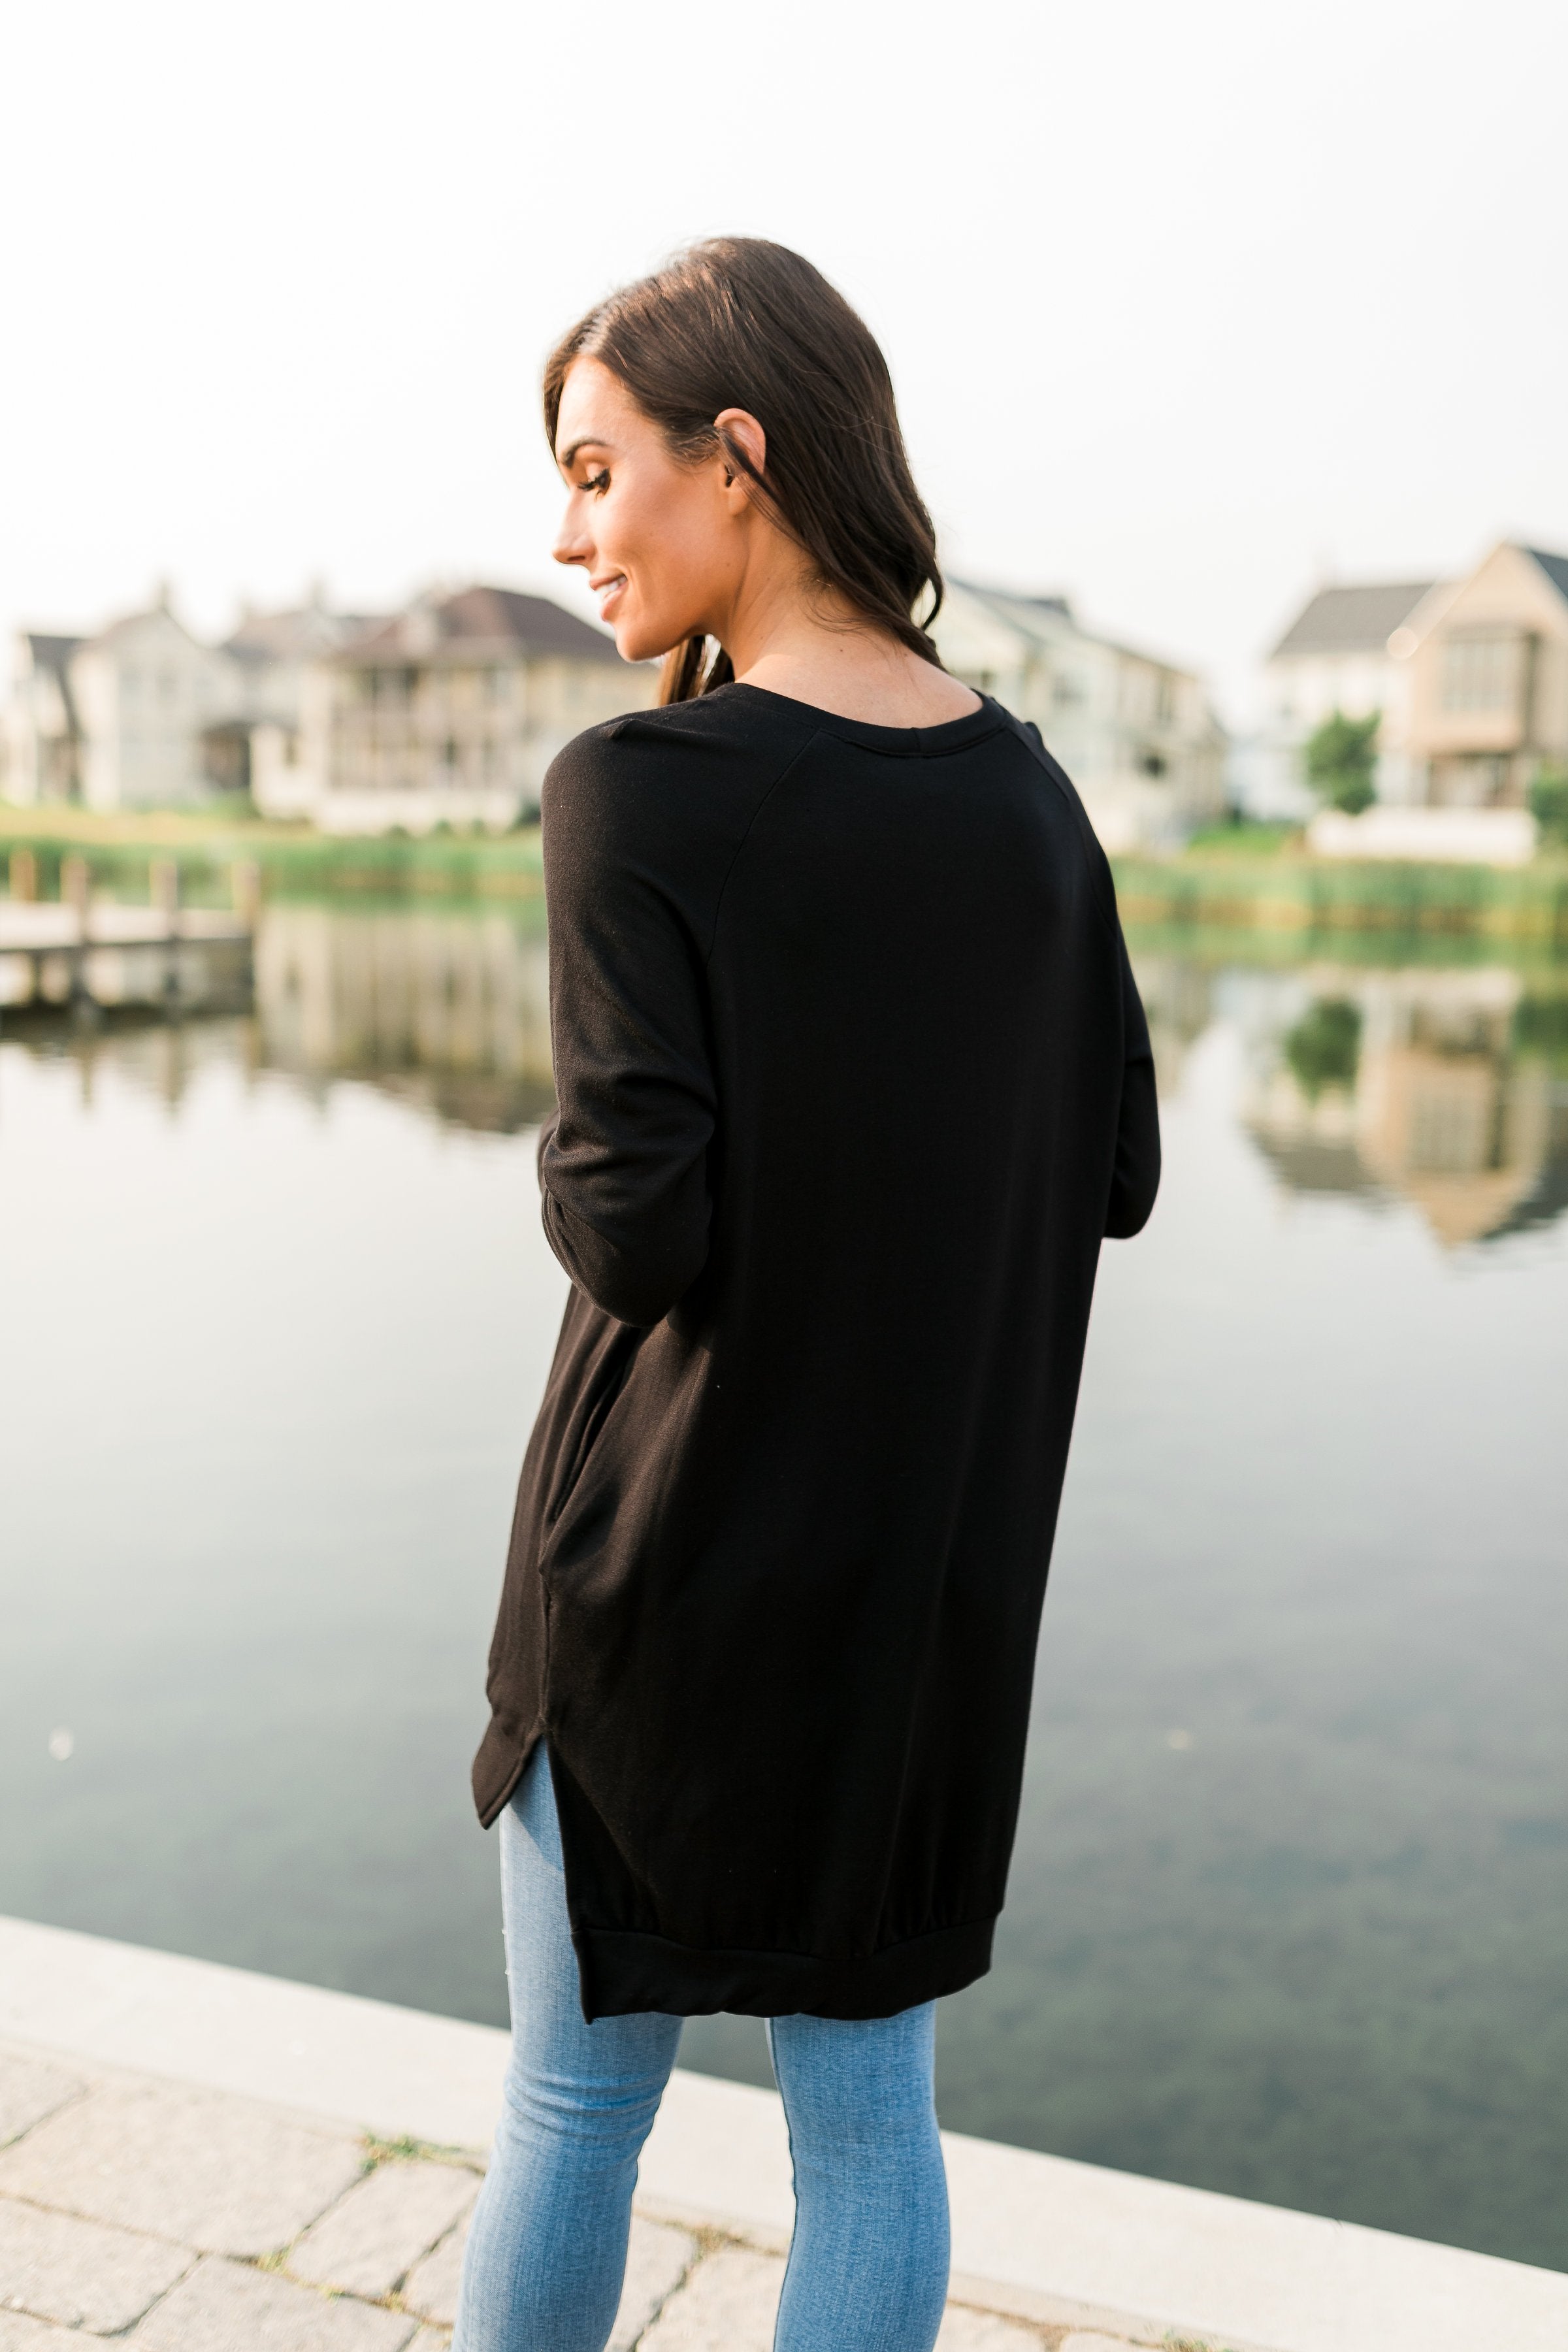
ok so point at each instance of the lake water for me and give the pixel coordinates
(1289, 1907)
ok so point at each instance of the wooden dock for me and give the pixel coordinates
(85, 954)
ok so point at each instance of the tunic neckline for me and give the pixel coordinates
(898, 742)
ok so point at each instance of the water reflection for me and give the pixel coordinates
(449, 1009)
(1447, 1089)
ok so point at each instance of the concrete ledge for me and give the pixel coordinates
(1035, 2236)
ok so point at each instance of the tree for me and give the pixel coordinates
(1340, 758)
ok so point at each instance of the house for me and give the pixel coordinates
(1337, 656)
(450, 712)
(40, 734)
(1486, 659)
(272, 654)
(1470, 676)
(1135, 734)
(146, 693)
(119, 721)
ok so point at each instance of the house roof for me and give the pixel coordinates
(456, 625)
(1012, 604)
(297, 635)
(50, 653)
(1355, 620)
(53, 654)
(1042, 617)
(1555, 568)
(130, 623)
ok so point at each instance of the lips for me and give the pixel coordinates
(608, 593)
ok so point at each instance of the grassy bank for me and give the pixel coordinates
(294, 861)
(1304, 897)
(1248, 880)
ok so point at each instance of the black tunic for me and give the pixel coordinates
(853, 1077)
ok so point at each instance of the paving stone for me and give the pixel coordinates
(56, 2267)
(225, 2307)
(728, 2305)
(657, 2258)
(21, 2334)
(376, 2234)
(29, 2092)
(982, 2331)
(226, 2175)
(431, 2287)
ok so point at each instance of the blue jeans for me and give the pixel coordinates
(867, 2266)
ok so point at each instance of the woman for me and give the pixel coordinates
(853, 1079)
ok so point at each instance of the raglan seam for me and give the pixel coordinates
(785, 773)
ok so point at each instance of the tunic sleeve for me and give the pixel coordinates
(624, 1167)
(1136, 1176)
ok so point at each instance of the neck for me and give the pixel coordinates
(784, 634)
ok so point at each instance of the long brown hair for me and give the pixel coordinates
(736, 322)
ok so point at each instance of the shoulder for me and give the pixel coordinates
(662, 800)
(687, 762)
(1055, 779)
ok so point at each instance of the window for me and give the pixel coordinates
(1481, 673)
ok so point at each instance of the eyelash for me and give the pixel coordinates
(600, 482)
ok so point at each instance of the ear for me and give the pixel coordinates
(740, 429)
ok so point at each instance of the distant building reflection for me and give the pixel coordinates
(1178, 1000)
(1447, 1089)
(447, 1010)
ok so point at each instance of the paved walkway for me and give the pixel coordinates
(188, 2219)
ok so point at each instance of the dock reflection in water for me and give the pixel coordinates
(1290, 1892)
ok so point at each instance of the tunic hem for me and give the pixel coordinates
(623, 1972)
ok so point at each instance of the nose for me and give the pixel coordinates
(573, 542)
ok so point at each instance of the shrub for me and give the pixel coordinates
(1549, 802)
(1324, 1047)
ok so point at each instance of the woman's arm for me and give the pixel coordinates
(1136, 1177)
(624, 1165)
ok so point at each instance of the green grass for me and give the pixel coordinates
(295, 860)
(1241, 836)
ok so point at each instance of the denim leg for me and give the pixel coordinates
(868, 2261)
(547, 2253)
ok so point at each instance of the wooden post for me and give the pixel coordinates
(75, 889)
(24, 876)
(163, 889)
(245, 882)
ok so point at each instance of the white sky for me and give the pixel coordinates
(1187, 306)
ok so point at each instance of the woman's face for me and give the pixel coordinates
(664, 544)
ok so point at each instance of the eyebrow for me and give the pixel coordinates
(588, 441)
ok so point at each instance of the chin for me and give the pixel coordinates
(635, 642)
